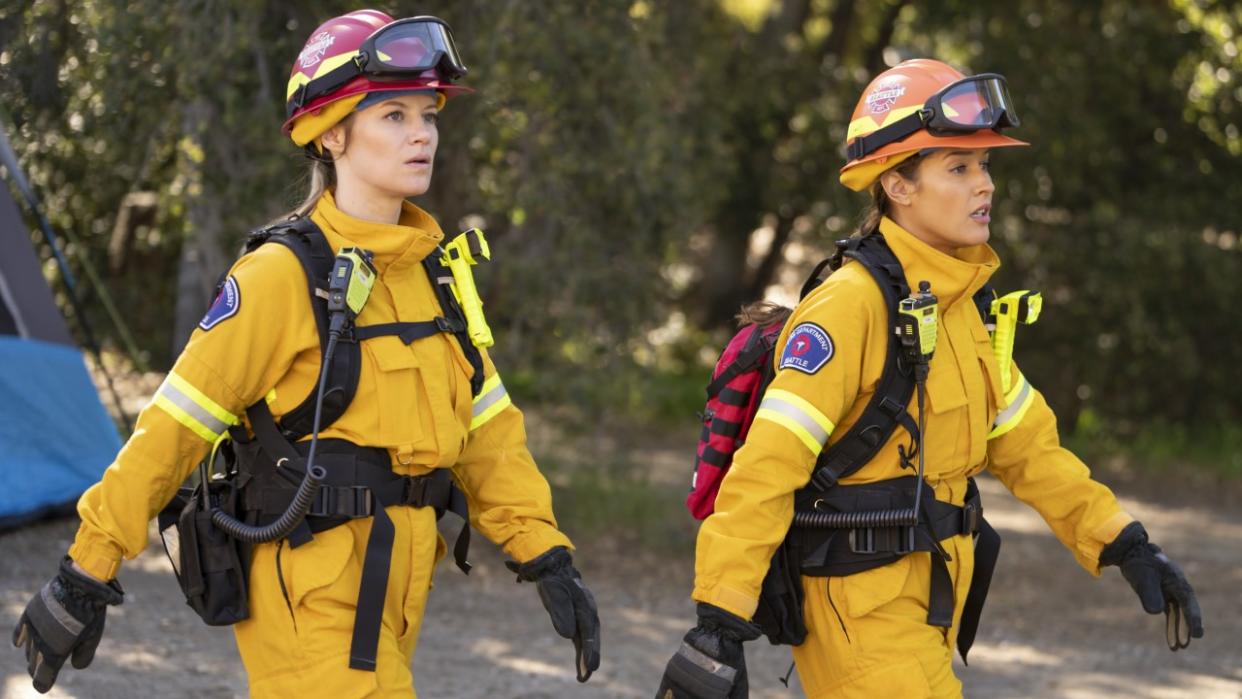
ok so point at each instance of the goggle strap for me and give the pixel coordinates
(863, 146)
(325, 84)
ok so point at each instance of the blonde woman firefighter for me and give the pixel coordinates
(887, 534)
(353, 401)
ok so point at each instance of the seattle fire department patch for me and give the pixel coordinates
(226, 305)
(809, 348)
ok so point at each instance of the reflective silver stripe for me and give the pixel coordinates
(62, 615)
(487, 400)
(193, 409)
(706, 662)
(1005, 415)
(796, 414)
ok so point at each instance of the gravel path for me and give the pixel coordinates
(1050, 630)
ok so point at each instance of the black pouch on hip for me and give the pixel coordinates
(210, 565)
(779, 614)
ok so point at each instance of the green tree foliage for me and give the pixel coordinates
(622, 155)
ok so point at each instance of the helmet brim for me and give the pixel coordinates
(860, 174)
(362, 85)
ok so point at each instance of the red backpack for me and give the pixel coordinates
(742, 372)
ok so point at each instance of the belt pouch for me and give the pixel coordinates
(208, 562)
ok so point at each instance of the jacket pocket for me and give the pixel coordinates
(318, 564)
(397, 389)
(869, 590)
(945, 439)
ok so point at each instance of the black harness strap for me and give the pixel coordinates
(409, 332)
(987, 551)
(887, 408)
(304, 239)
(757, 345)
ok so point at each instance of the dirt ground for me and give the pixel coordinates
(1049, 630)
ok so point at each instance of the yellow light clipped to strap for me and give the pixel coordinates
(1018, 400)
(192, 408)
(795, 414)
(465, 251)
(1009, 310)
(491, 401)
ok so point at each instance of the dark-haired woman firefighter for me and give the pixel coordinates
(334, 608)
(880, 620)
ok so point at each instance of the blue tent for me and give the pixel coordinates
(56, 439)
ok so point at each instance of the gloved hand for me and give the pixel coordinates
(65, 618)
(570, 604)
(710, 663)
(1160, 584)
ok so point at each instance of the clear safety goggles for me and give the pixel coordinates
(402, 50)
(968, 105)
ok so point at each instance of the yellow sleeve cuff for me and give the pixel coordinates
(530, 546)
(96, 554)
(731, 600)
(1100, 537)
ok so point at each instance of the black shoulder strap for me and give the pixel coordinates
(758, 345)
(441, 278)
(302, 237)
(887, 407)
(983, 299)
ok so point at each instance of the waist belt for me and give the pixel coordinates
(864, 532)
(359, 483)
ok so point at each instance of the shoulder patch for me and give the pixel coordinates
(226, 305)
(809, 348)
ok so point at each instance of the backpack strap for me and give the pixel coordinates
(887, 407)
(304, 239)
(757, 345)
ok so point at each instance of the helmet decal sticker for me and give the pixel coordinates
(884, 97)
(315, 48)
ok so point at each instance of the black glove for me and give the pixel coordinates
(570, 604)
(710, 663)
(65, 618)
(1160, 584)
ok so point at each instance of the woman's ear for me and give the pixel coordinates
(333, 140)
(898, 189)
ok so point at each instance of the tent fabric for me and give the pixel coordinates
(26, 303)
(56, 439)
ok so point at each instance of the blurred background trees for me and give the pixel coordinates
(644, 167)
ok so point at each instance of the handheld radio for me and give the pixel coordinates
(917, 326)
(349, 286)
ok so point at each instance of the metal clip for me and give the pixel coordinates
(862, 540)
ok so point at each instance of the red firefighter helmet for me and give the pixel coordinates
(367, 51)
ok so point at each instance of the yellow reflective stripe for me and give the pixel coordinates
(201, 399)
(189, 406)
(795, 414)
(1019, 400)
(491, 401)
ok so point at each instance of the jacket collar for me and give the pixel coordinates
(396, 246)
(952, 277)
